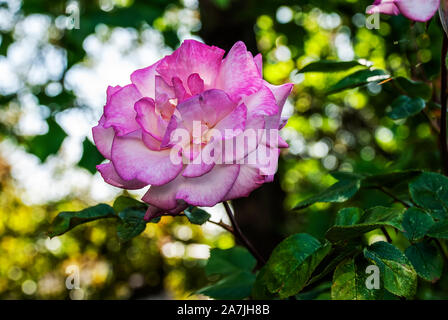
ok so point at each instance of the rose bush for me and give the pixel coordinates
(194, 85)
(417, 10)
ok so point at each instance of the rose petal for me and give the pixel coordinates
(119, 111)
(192, 57)
(239, 75)
(144, 80)
(110, 175)
(199, 191)
(133, 160)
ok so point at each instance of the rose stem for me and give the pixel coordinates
(242, 238)
(443, 102)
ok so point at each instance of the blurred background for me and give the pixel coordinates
(57, 59)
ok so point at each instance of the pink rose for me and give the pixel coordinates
(417, 10)
(194, 92)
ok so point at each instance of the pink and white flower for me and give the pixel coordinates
(416, 10)
(194, 84)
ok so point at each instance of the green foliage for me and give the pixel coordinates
(404, 107)
(90, 156)
(399, 277)
(426, 259)
(358, 79)
(229, 261)
(339, 192)
(415, 89)
(349, 281)
(290, 266)
(234, 266)
(233, 287)
(374, 218)
(332, 66)
(67, 220)
(131, 224)
(430, 191)
(47, 144)
(416, 223)
(196, 215)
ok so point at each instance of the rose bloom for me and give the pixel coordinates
(194, 85)
(416, 10)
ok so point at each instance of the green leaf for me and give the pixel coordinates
(391, 179)
(236, 286)
(332, 66)
(399, 277)
(196, 215)
(426, 259)
(348, 216)
(339, 192)
(416, 223)
(359, 78)
(47, 144)
(131, 224)
(349, 281)
(67, 220)
(291, 264)
(229, 261)
(404, 107)
(439, 230)
(374, 218)
(124, 202)
(415, 89)
(90, 156)
(430, 191)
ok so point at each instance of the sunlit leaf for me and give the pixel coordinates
(332, 66)
(349, 281)
(359, 78)
(339, 192)
(291, 264)
(398, 275)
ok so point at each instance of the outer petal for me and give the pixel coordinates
(281, 93)
(418, 10)
(384, 6)
(200, 191)
(239, 75)
(258, 59)
(103, 138)
(192, 57)
(262, 102)
(248, 180)
(133, 160)
(120, 113)
(144, 80)
(110, 175)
